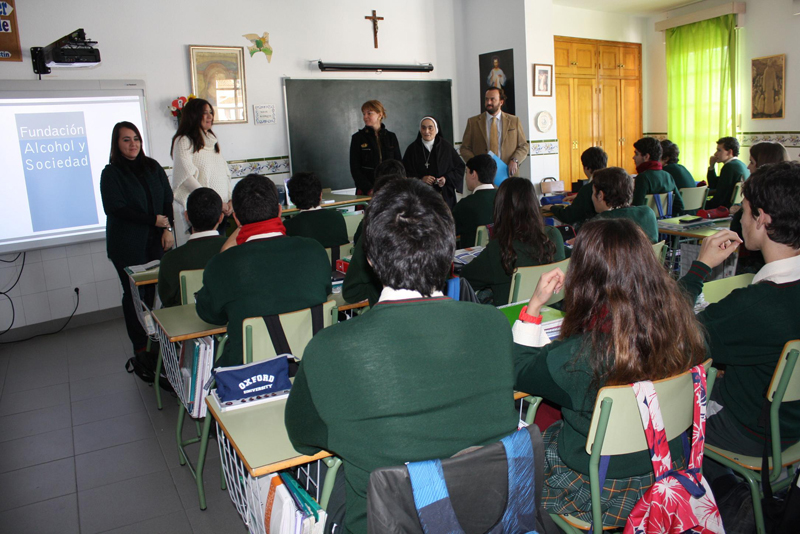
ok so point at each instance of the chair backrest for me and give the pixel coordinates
(191, 283)
(352, 220)
(694, 198)
(660, 250)
(786, 364)
(297, 326)
(524, 280)
(651, 203)
(482, 236)
(623, 433)
(737, 196)
(716, 290)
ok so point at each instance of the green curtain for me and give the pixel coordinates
(701, 69)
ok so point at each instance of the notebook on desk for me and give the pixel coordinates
(551, 318)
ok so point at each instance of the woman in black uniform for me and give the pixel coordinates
(370, 146)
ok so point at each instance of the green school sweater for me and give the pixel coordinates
(326, 226)
(261, 277)
(408, 381)
(746, 332)
(556, 373)
(641, 215)
(681, 175)
(733, 172)
(653, 182)
(194, 254)
(471, 212)
(487, 269)
(360, 282)
(581, 208)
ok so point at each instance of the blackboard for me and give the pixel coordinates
(323, 115)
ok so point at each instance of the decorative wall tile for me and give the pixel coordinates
(241, 168)
(545, 147)
(787, 139)
(658, 135)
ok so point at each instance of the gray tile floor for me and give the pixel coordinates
(83, 448)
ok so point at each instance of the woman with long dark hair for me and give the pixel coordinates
(625, 320)
(432, 159)
(520, 239)
(137, 200)
(198, 162)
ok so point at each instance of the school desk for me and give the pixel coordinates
(334, 200)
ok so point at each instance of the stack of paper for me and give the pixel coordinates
(466, 255)
(196, 360)
(287, 508)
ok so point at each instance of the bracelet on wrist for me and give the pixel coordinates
(525, 318)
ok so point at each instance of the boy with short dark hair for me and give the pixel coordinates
(324, 225)
(733, 171)
(612, 192)
(670, 156)
(476, 209)
(204, 213)
(265, 272)
(593, 159)
(651, 178)
(415, 368)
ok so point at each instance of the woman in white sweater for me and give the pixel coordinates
(197, 162)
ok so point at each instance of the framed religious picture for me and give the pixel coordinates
(218, 76)
(496, 69)
(768, 87)
(542, 80)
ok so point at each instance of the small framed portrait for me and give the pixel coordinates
(218, 76)
(542, 80)
(769, 87)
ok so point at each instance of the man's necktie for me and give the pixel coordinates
(493, 137)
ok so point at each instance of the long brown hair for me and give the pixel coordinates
(517, 218)
(116, 156)
(189, 127)
(638, 324)
(767, 152)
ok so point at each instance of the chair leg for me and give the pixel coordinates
(564, 526)
(223, 484)
(333, 464)
(201, 461)
(179, 434)
(157, 382)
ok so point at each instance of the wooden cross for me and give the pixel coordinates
(374, 18)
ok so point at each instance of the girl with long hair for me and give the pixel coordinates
(519, 239)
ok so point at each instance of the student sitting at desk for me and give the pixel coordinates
(593, 159)
(651, 178)
(204, 213)
(733, 171)
(326, 226)
(476, 209)
(611, 335)
(748, 329)
(265, 272)
(409, 380)
(612, 194)
(520, 240)
(670, 156)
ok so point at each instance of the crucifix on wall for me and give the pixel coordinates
(374, 18)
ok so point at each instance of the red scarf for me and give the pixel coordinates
(262, 227)
(649, 166)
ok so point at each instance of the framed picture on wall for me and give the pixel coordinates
(768, 87)
(496, 69)
(218, 76)
(542, 80)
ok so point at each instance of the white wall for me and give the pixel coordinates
(588, 24)
(149, 40)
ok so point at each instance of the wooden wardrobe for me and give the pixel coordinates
(598, 102)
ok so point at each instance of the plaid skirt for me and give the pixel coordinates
(567, 492)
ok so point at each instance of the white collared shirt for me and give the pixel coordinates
(315, 208)
(206, 233)
(483, 187)
(779, 272)
(389, 294)
(263, 236)
(499, 117)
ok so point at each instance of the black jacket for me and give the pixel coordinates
(365, 156)
(443, 161)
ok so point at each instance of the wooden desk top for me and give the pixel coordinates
(259, 436)
(145, 277)
(338, 201)
(180, 323)
(694, 233)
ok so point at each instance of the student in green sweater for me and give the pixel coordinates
(613, 192)
(520, 239)
(593, 159)
(611, 335)
(733, 171)
(260, 271)
(409, 380)
(651, 178)
(326, 226)
(476, 209)
(670, 156)
(748, 329)
(203, 213)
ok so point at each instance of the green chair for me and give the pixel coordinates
(784, 387)
(524, 280)
(651, 203)
(661, 251)
(191, 283)
(716, 290)
(737, 196)
(352, 220)
(344, 250)
(482, 236)
(694, 198)
(619, 431)
(296, 325)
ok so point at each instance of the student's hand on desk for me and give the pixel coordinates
(735, 209)
(549, 284)
(570, 242)
(167, 240)
(718, 247)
